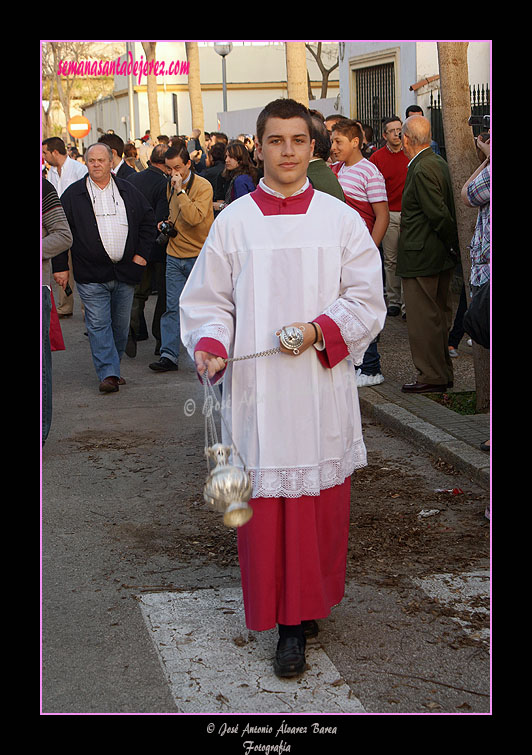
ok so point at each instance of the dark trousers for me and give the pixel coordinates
(457, 332)
(429, 319)
(153, 277)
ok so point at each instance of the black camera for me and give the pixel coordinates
(480, 120)
(167, 231)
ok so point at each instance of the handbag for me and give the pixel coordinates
(477, 317)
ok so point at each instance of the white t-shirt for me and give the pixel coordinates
(71, 171)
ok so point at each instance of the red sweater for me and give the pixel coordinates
(393, 166)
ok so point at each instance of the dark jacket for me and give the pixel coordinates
(152, 184)
(212, 173)
(90, 261)
(125, 170)
(428, 240)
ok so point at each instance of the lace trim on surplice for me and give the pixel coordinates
(216, 331)
(353, 331)
(295, 482)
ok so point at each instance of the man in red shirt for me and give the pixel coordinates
(393, 164)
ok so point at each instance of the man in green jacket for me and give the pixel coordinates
(427, 254)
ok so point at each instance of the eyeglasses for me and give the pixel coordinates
(99, 210)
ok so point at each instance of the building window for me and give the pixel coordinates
(374, 95)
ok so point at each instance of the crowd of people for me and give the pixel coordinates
(188, 181)
(310, 224)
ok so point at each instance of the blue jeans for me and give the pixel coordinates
(46, 399)
(371, 364)
(107, 316)
(177, 271)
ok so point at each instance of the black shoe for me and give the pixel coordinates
(393, 311)
(290, 656)
(310, 628)
(163, 365)
(157, 351)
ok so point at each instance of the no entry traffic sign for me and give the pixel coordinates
(78, 126)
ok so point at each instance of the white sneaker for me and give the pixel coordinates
(363, 380)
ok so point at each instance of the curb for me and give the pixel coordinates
(423, 433)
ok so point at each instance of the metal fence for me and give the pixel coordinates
(480, 105)
(375, 95)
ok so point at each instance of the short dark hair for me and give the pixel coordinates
(178, 149)
(392, 119)
(336, 117)
(219, 135)
(114, 142)
(413, 109)
(217, 151)
(322, 140)
(158, 154)
(282, 108)
(351, 129)
(55, 143)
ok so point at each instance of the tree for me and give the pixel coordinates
(71, 51)
(194, 89)
(463, 161)
(325, 72)
(48, 84)
(69, 84)
(296, 72)
(151, 87)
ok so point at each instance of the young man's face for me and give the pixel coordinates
(343, 148)
(392, 134)
(176, 166)
(50, 157)
(286, 149)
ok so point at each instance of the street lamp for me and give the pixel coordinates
(223, 49)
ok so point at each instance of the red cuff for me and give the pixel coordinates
(212, 346)
(335, 347)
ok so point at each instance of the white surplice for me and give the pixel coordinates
(295, 422)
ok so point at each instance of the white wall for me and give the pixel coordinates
(415, 60)
(244, 121)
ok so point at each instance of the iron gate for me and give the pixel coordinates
(480, 105)
(375, 95)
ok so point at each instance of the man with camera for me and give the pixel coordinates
(190, 219)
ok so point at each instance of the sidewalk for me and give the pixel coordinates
(453, 437)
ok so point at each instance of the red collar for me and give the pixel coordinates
(271, 205)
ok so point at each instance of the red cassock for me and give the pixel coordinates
(292, 555)
(301, 436)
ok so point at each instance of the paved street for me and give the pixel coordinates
(141, 601)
